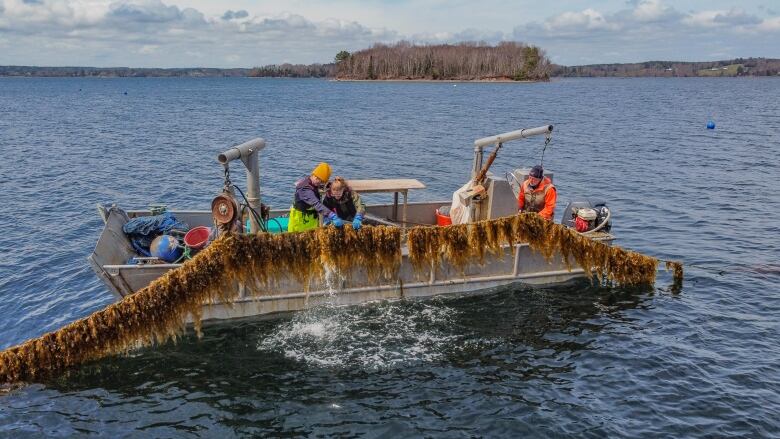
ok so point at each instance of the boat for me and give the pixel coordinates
(117, 263)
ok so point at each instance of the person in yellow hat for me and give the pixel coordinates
(307, 203)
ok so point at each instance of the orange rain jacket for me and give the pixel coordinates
(546, 210)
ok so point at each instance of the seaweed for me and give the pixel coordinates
(677, 275)
(158, 313)
(460, 244)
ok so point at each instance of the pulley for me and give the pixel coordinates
(224, 209)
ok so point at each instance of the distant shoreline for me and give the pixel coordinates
(420, 81)
(738, 67)
(498, 81)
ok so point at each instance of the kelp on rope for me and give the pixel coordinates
(460, 244)
(159, 312)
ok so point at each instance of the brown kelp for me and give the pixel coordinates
(460, 244)
(160, 311)
(677, 275)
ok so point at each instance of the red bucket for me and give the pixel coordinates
(441, 219)
(197, 237)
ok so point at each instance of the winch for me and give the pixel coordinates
(224, 211)
(229, 214)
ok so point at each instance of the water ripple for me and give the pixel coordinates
(574, 361)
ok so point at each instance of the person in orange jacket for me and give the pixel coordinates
(537, 194)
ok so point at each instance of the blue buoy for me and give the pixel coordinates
(166, 247)
(710, 125)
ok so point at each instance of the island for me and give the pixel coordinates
(403, 61)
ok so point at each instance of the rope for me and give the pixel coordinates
(258, 218)
(547, 140)
(186, 254)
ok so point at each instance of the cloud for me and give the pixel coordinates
(653, 11)
(644, 17)
(148, 48)
(732, 17)
(736, 17)
(651, 29)
(156, 33)
(153, 33)
(470, 35)
(230, 15)
(588, 19)
(152, 12)
(769, 25)
(283, 24)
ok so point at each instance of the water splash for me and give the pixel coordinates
(376, 336)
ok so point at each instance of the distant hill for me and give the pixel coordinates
(113, 72)
(464, 61)
(733, 67)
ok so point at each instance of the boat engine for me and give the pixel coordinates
(587, 216)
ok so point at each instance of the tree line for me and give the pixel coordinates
(295, 71)
(464, 61)
(732, 67)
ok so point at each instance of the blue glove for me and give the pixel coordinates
(357, 222)
(338, 222)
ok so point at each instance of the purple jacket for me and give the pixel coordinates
(307, 197)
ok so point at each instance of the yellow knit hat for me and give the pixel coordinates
(322, 171)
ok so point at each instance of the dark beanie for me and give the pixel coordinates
(537, 172)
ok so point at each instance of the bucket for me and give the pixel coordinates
(197, 237)
(442, 219)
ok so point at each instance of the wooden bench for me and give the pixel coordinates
(396, 186)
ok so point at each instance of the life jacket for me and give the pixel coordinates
(301, 205)
(345, 206)
(534, 198)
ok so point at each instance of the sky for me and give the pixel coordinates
(247, 33)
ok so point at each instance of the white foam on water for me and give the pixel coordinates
(375, 336)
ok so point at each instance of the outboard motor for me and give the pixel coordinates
(587, 216)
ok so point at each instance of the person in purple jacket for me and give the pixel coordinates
(307, 203)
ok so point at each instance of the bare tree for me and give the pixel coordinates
(463, 61)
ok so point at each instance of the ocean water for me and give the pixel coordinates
(579, 360)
